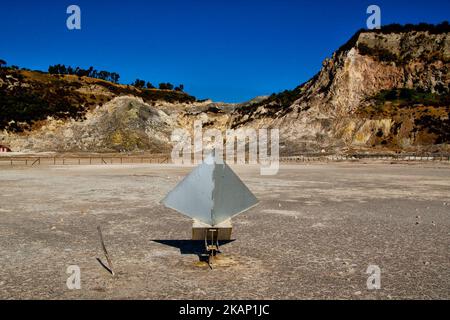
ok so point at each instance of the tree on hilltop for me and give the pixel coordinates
(139, 83)
(166, 86)
(115, 77)
(180, 88)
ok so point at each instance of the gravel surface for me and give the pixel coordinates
(315, 232)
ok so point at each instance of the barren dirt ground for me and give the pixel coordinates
(316, 230)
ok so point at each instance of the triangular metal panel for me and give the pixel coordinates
(211, 193)
(230, 196)
(193, 195)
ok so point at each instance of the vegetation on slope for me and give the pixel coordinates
(404, 97)
(419, 112)
(61, 69)
(27, 97)
(28, 102)
(277, 104)
(91, 72)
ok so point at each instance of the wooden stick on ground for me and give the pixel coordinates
(110, 269)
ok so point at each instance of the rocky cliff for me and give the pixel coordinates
(383, 90)
(386, 89)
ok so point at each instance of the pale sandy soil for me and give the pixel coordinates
(317, 229)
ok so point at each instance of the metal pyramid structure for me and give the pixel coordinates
(211, 193)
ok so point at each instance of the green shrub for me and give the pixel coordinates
(409, 97)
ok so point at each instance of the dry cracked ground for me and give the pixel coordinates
(315, 232)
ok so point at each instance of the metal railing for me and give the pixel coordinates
(82, 160)
(363, 156)
(33, 161)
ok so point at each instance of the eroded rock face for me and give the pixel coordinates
(325, 114)
(123, 124)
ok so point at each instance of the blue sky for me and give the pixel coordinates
(225, 50)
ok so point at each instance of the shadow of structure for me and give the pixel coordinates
(192, 247)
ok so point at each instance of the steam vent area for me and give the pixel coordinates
(314, 233)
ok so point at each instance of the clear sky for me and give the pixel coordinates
(227, 50)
